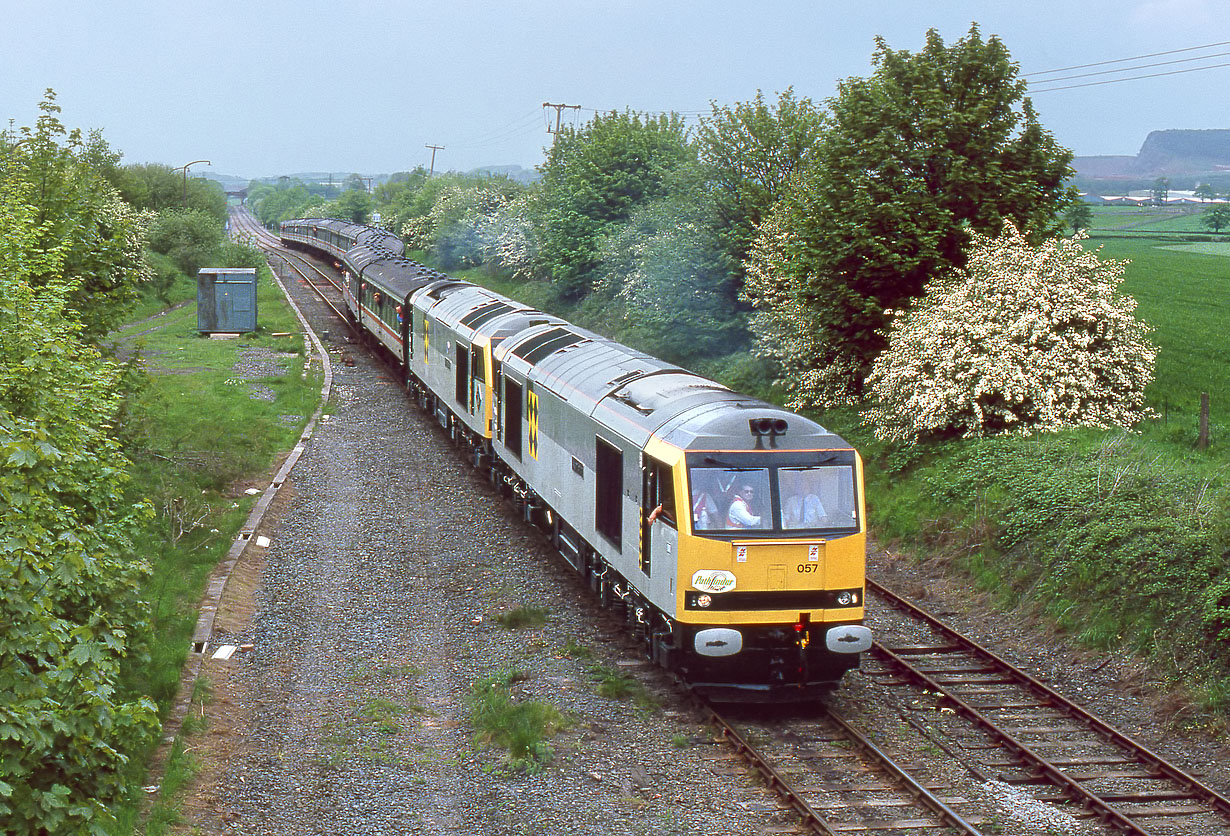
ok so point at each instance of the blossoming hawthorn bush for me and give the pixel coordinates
(1023, 339)
(507, 239)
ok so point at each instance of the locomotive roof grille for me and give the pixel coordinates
(547, 343)
(485, 313)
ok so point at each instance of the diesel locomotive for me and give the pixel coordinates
(730, 532)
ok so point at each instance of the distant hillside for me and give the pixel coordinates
(1165, 153)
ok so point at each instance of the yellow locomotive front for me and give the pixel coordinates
(770, 566)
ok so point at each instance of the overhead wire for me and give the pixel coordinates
(519, 126)
(1137, 67)
(1125, 60)
(1040, 82)
(1129, 78)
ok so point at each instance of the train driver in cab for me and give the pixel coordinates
(740, 514)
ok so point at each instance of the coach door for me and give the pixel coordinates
(659, 526)
(512, 416)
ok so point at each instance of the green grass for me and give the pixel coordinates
(616, 685)
(1185, 296)
(526, 615)
(523, 727)
(192, 433)
(1184, 218)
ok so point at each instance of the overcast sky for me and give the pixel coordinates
(268, 87)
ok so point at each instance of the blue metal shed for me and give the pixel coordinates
(226, 300)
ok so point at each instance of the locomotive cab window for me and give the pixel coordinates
(788, 498)
(817, 497)
(732, 498)
(659, 492)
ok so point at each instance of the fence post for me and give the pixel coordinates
(1202, 443)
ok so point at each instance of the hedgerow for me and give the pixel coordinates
(1118, 544)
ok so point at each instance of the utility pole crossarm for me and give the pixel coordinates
(434, 149)
(559, 109)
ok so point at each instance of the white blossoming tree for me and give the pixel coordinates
(1025, 338)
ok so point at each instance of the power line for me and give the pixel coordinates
(520, 123)
(1137, 67)
(1130, 78)
(1125, 60)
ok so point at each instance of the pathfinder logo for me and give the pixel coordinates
(717, 580)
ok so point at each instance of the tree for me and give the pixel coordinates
(1078, 215)
(749, 153)
(79, 214)
(671, 277)
(1160, 191)
(189, 238)
(931, 148)
(157, 187)
(454, 228)
(1215, 217)
(1025, 338)
(68, 600)
(592, 179)
(1205, 191)
(353, 205)
(276, 203)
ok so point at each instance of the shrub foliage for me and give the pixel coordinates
(1023, 339)
(934, 146)
(68, 598)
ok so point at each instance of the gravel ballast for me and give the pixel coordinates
(375, 610)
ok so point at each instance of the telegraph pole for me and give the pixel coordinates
(559, 109)
(434, 149)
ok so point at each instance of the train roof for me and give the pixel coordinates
(638, 396)
(473, 311)
(360, 234)
(395, 275)
(627, 391)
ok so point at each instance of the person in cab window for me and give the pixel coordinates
(740, 514)
(705, 513)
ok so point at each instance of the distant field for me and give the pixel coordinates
(1221, 248)
(1147, 218)
(1185, 296)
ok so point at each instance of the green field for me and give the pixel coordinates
(1185, 296)
(1148, 219)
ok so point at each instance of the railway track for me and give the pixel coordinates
(1029, 736)
(837, 781)
(983, 716)
(988, 737)
(327, 288)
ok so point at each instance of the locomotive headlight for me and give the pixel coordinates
(845, 598)
(704, 600)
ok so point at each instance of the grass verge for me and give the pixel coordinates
(211, 417)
